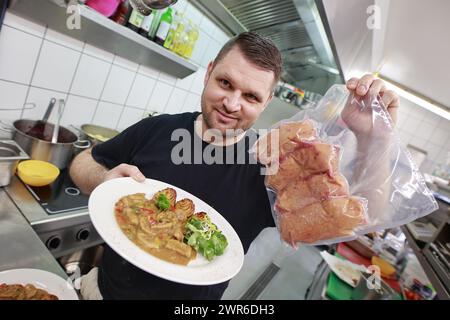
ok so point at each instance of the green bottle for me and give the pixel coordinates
(164, 26)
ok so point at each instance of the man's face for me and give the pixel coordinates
(235, 93)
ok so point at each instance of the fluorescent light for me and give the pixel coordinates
(417, 100)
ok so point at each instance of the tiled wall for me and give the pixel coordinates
(427, 131)
(37, 63)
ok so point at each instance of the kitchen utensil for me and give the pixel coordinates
(37, 173)
(98, 133)
(386, 269)
(10, 154)
(59, 153)
(105, 7)
(56, 128)
(39, 127)
(363, 292)
(146, 6)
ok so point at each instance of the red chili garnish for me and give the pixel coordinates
(151, 221)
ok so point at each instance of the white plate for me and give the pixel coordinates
(199, 271)
(344, 269)
(41, 279)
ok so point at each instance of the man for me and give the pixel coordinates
(239, 85)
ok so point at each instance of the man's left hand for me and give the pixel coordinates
(374, 86)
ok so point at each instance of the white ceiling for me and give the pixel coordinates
(412, 47)
(417, 47)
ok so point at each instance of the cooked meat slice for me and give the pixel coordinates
(30, 291)
(186, 206)
(11, 291)
(179, 247)
(132, 216)
(170, 193)
(147, 241)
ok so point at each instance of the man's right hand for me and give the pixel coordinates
(124, 170)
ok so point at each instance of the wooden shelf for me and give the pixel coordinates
(104, 33)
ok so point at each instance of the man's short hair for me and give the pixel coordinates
(258, 50)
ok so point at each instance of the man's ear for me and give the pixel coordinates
(208, 72)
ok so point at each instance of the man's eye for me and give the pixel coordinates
(224, 83)
(251, 97)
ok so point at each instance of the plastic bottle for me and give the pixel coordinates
(122, 13)
(135, 20)
(175, 31)
(146, 24)
(164, 26)
(192, 36)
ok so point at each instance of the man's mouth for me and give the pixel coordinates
(223, 117)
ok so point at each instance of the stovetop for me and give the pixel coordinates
(60, 196)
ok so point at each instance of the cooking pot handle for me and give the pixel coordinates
(6, 127)
(82, 144)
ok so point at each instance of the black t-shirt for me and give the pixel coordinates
(236, 191)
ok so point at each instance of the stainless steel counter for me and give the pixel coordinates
(20, 245)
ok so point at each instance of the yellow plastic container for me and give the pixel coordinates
(37, 173)
(386, 269)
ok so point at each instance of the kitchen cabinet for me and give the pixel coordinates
(103, 33)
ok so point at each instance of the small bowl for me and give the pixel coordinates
(37, 173)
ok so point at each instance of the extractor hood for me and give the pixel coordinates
(299, 29)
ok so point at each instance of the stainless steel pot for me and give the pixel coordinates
(38, 145)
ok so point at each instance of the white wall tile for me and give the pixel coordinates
(64, 40)
(18, 54)
(419, 142)
(130, 65)
(193, 13)
(107, 114)
(439, 136)
(200, 47)
(411, 124)
(160, 97)
(78, 111)
(167, 78)
(197, 85)
(129, 117)
(210, 53)
(90, 77)
(56, 67)
(118, 85)
(98, 53)
(180, 6)
(186, 82)
(12, 95)
(192, 103)
(176, 101)
(41, 97)
(207, 26)
(8, 116)
(140, 92)
(425, 130)
(433, 151)
(444, 124)
(431, 118)
(220, 36)
(23, 24)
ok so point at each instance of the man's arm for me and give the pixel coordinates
(87, 174)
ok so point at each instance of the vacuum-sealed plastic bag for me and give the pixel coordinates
(339, 170)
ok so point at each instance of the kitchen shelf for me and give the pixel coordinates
(104, 33)
(441, 291)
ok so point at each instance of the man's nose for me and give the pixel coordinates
(232, 102)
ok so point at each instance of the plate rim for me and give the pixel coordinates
(148, 256)
(70, 291)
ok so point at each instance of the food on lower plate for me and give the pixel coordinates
(204, 236)
(168, 229)
(24, 292)
(313, 199)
